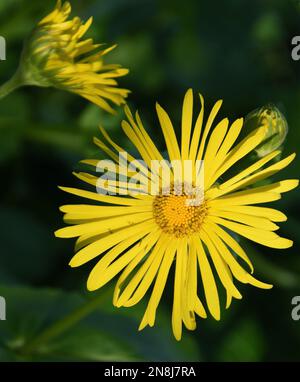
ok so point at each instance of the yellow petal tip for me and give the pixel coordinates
(73, 263)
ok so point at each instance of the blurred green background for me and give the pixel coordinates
(236, 50)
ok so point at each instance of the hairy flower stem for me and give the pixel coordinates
(14, 83)
(63, 324)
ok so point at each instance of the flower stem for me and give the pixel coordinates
(63, 324)
(12, 84)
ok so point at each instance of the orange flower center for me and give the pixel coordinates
(179, 215)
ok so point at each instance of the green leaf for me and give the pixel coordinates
(88, 344)
(244, 343)
(105, 335)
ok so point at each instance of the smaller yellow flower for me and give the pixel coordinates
(56, 55)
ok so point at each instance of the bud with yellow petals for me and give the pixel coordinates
(57, 55)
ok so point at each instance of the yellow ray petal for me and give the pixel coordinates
(169, 134)
(209, 284)
(144, 171)
(269, 171)
(101, 211)
(210, 120)
(126, 201)
(108, 266)
(177, 303)
(278, 187)
(253, 221)
(83, 29)
(103, 226)
(188, 314)
(141, 281)
(117, 267)
(230, 242)
(139, 144)
(192, 277)
(245, 198)
(155, 237)
(264, 212)
(104, 243)
(149, 316)
(229, 140)
(197, 132)
(213, 146)
(239, 273)
(87, 211)
(267, 238)
(147, 279)
(199, 309)
(238, 152)
(186, 123)
(220, 267)
(115, 187)
(228, 294)
(84, 240)
(153, 151)
(106, 149)
(96, 100)
(229, 185)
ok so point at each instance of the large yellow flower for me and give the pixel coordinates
(142, 234)
(55, 55)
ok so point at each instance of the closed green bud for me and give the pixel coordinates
(275, 125)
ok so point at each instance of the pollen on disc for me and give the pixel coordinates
(179, 215)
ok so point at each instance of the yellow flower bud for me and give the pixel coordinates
(56, 55)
